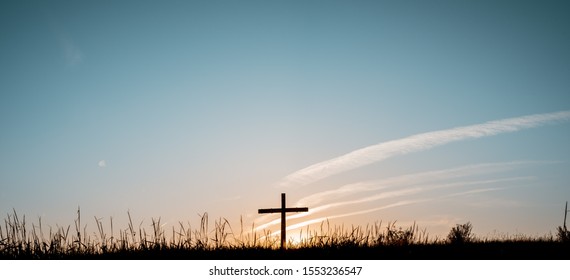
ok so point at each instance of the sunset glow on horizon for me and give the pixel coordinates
(429, 112)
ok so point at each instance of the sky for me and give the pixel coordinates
(433, 112)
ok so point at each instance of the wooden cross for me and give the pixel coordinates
(283, 210)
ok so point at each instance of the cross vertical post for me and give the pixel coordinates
(565, 213)
(283, 227)
(283, 210)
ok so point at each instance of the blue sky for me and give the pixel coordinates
(175, 108)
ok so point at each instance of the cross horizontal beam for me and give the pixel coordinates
(279, 210)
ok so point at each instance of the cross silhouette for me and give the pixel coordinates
(283, 210)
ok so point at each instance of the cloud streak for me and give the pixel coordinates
(414, 190)
(397, 204)
(420, 188)
(412, 179)
(322, 219)
(415, 143)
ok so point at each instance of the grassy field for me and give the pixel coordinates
(19, 240)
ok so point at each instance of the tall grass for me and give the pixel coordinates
(359, 237)
(19, 239)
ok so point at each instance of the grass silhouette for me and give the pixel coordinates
(18, 240)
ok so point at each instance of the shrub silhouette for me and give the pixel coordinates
(460, 234)
(563, 234)
(399, 236)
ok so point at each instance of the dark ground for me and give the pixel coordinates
(500, 250)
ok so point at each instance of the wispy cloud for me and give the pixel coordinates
(415, 143)
(318, 220)
(415, 189)
(321, 208)
(413, 182)
(392, 205)
(427, 180)
(412, 179)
